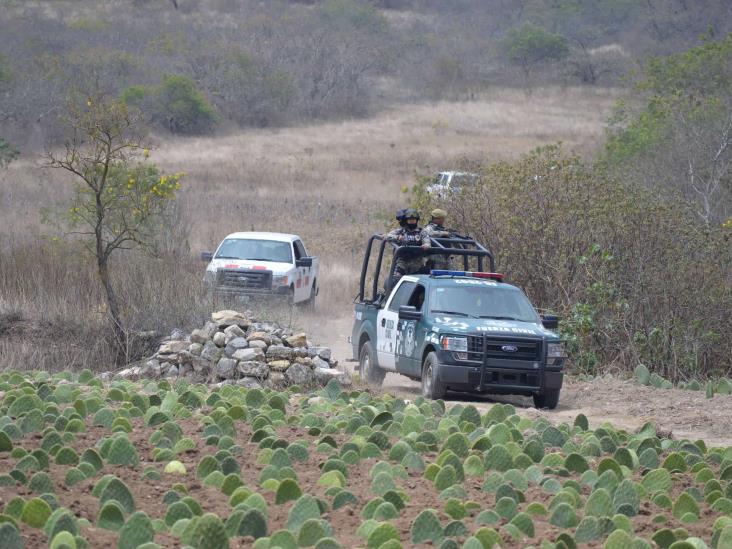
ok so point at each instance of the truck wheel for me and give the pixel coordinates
(431, 387)
(309, 304)
(547, 399)
(367, 367)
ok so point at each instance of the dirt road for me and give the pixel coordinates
(623, 403)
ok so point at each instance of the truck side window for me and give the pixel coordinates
(417, 298)
(401, 296)
(300, 251)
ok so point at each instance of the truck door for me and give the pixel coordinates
(386, 324)
(410, 334)
(302, 279)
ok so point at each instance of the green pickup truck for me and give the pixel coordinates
(459, 330)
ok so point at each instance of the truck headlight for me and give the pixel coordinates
(555, 355)
(457, 344)
(280, 280)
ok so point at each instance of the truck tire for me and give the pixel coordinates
(546, 399)
(367, 367)
(309, 304)
(431, 387)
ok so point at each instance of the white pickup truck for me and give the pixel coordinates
(254, 264)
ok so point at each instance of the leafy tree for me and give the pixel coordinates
(681, 136)
(7, 153)
(119, 199)
(183, 107)
(530, 46)
(175, 104)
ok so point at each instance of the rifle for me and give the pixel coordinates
(454, 234)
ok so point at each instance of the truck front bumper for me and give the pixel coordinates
(515, 382)
(281, 291)
(496, 376)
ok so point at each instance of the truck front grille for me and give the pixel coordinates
(244, 279)
(503, 348)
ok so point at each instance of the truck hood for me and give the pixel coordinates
(457, 324)
(276, 267)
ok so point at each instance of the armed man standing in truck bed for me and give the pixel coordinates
(436, 229)
(415, 239)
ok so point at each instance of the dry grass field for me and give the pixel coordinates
(333, 183)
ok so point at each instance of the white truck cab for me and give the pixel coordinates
(446, 183)
(263, 264)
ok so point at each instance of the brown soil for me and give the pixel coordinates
(345, 521)
(625, 404)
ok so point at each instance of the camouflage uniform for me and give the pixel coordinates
(412, 262)
(438, 261)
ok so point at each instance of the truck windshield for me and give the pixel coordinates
(496, 302)
(259, 250)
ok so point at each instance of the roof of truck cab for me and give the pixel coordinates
(451, 281)
(251, 235)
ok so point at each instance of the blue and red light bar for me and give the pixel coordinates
(469, 274)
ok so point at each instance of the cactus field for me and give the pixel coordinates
(153, 464)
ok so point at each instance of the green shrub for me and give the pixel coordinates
(181, 107)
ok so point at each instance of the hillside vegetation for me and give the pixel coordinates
(193, 66)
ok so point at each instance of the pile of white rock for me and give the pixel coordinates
(234, 348)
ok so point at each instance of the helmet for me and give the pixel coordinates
(411, 212)
(438, 213)
(400, 217)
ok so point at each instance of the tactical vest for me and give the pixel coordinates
(413, 239)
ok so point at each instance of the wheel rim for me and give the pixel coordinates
(365, 364)
(427, 381)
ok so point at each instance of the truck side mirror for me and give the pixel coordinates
(206, 256)
(304, 262)
(408, 312)
(550, 322)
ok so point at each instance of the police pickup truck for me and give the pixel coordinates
(461, 330)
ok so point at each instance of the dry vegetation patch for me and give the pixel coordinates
(333, 183)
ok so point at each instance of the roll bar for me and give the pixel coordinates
(463, 246)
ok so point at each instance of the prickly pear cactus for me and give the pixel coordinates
(117, 490)
(10, 537)
(122, 452)
(35, 513)
(209, 533)
(137, 530)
